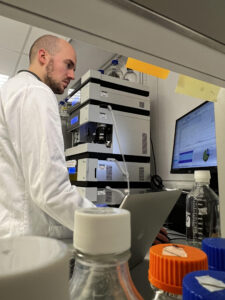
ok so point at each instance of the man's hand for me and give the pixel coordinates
(161, 237)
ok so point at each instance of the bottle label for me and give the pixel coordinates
(174, 250)
(188, 220)
(210, 283)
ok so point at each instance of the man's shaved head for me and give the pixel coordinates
(50, 43)
(53, 60)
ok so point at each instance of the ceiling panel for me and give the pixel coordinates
(23, 63)
(17, 38)
(204, 17)
(8, 61)
(35, 34)
(13, 35)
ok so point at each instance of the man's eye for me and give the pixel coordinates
(69, 65)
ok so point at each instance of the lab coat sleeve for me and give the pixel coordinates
(43, 161)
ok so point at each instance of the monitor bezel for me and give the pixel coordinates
(188, 170)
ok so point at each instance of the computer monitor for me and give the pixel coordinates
(195, 141)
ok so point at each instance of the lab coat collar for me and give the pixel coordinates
(30, 73)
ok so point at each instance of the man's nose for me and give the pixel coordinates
(71, 74)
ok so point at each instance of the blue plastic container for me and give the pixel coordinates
(215, 250)
(193, 290)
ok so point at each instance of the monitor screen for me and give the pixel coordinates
(195, 141)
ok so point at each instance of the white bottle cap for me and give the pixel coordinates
(33, 268)
(102, 230)
(202, 176)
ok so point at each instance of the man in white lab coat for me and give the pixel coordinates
(36, 197)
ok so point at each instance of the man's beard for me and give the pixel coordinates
(54, 85)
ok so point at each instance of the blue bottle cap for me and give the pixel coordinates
(193, 290)
(114, 62)
(215, 250)
(101, 205)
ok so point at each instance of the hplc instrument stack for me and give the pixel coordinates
(110, 148)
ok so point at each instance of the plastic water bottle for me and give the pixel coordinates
(168, 264)
(114, 70)
(130, 75)
(202, 211)
(102, 240)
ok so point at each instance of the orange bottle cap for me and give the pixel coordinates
(169, 263)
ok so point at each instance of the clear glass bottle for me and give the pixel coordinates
(168, 264)
(202, 211)
(102, 242)
(114, 70)
(63, 109)
(163, 295)
(130, 75)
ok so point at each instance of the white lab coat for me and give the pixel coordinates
(36, 197)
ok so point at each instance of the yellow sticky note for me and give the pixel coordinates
(196, 88)
(149, 69)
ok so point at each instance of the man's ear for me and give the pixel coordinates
(42, 56)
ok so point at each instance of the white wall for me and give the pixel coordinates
(220, 143)
(166, 107)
